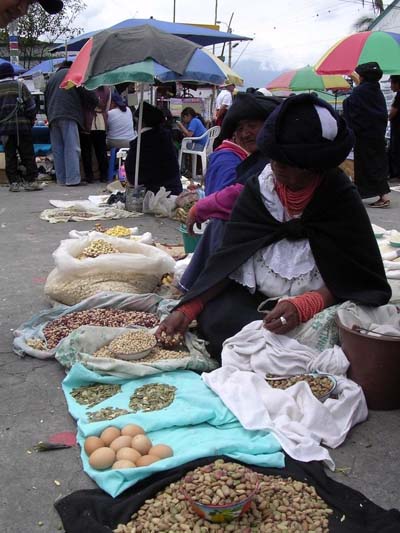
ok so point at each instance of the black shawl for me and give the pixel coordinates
(337, 227)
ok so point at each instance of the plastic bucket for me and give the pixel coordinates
(189, 241)
(374, 365)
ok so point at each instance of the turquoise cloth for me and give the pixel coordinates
(197, 424)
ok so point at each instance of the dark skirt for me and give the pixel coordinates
(371, 167)
(227, 314)
(210, 241)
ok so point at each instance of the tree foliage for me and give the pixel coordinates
(377, 5)
(37, 30)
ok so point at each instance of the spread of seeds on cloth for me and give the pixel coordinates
(280, 505)
(58, 329)
(152, 397)
(107, 413)
(319, 385)
(95, 393)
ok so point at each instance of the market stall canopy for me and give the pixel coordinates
(196, 34)
(230, 75)
(48, 66)
(380, 46)
(306, 79)
(141, 54)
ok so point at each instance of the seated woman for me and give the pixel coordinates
(298, 234)
(192, 125)
(120, 130)
(158, 165)
(235, 160)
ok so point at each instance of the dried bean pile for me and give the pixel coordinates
(107, 413)
(320, 385)
(36, 344)
(156, 354)
(152, 397)
(96, 248)
(95, 393)
(280, 506)
(131, 342)
(57, 329)
(226, 483)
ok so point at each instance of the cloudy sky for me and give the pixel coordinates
(286, 33)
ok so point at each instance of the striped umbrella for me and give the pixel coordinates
(380, 46)
(306, 79)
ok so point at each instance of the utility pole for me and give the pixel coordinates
(173, 17)
(215, 21)
(230, 42)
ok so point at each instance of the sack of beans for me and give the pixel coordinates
(99, 263)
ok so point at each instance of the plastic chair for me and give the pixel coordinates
(203, 154)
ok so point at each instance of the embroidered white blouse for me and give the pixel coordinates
(284, 268)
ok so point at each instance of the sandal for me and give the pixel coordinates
(380, 203)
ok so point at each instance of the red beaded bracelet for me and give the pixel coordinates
(308, 305)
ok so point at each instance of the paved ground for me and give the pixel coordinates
(32, 405)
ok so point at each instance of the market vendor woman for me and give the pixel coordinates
(299, 234)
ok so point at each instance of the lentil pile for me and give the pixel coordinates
(107, 413)
(320, 385)
(152, 397)
(95, 393)
(280, 506)
(96, 248)
(58, 329)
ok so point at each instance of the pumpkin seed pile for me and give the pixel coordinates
(152, 397)
(91, 395)
(280, 506)
(320, 385)
(108, 413)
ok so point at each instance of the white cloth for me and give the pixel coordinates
(282, 268)
(224, 98)
(301, 423)
(120, 125)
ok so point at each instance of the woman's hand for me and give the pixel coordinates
(191, 220)
(176, 322)
(283, 318)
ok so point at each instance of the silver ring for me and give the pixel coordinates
(283, 320)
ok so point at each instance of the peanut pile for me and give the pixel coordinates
(58, 329)
(280, 506)
(320, 385)
(227, 483)
(132, 342)
(96, 248)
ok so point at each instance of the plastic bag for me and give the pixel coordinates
(82, 343)
(33, 328)
(162, 203)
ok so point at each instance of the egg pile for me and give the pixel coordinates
(128, 447)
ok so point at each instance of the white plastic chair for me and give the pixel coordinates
(203, 154)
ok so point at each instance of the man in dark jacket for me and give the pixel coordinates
(365, 112)
(65, 115)
(17, 114)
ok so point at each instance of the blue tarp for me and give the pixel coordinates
(196, 34)
(197, 424)
(45, 67)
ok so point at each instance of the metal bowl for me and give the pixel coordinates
(331, 378)
(133, 356)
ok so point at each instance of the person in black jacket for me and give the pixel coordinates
(158, 163)
(366, 113)
(287, 242)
